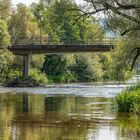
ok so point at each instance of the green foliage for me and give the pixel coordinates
(4, 35)
(61, 25)
(14, 74)
(87, 68)
(6, 57)
(38, 76)
(106, 61)
(57, 68)
(65, 78)
(94, 33)
(129, 100)
(55, 65)
(5, 9)
(23, 26)
(37, 61)
(121, 57)
(56, 20)
(116, 65)
(35, 75)
(63, 28)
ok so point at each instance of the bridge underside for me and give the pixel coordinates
(27, 50)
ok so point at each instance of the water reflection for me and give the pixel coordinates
(25, 103)
(55, 103)
(62, 117)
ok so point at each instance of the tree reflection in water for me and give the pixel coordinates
(25, 103)
(43, 117)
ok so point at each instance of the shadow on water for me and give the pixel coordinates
(62, 117)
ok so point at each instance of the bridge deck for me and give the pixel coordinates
(44, 49)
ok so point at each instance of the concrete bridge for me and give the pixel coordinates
(27, 50)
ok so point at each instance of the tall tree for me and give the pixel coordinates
(62, 27)
(5, 56)
(5, 9)
(23, 26)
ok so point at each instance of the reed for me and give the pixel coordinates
(129, 100)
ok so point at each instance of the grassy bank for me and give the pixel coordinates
(129, 100)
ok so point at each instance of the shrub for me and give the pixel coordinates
(38, 76)
(14, 74)
(35, 75)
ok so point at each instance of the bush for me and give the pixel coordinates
(129, 100)
(35, 75)
(14, 74)
(38, 76)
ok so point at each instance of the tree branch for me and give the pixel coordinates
(135, 58)
(130, 29)
(116, 10)
(126, 6)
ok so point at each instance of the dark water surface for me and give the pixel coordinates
(69, 112)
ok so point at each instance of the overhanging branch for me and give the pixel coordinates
(135, 58)
(129, 30)
(128, 7)
(116, 10)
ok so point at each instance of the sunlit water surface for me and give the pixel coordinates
(65, 112)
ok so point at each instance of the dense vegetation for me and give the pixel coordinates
(55, 23)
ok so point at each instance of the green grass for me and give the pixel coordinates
(129, 100)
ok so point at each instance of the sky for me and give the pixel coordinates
(28, 2)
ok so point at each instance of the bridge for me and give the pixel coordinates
(27, 50)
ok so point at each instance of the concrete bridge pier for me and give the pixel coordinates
(26, 65)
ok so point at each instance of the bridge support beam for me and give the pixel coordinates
(26, 65)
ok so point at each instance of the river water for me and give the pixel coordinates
(65, 112)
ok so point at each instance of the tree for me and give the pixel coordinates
(129, 10)
(126, 13)
(87, 69)
(94, 33)
(23, 27)
(4, 35)
(62, 27)
(5, 56)
(54, 65)
(5, 9)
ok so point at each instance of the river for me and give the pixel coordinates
(65, 112)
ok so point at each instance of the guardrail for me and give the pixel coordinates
(103, 41)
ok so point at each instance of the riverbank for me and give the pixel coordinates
(37, 80)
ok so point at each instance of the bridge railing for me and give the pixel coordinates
(103, 41)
